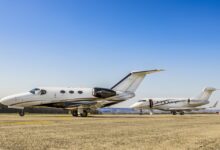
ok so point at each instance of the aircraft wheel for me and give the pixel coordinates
(174, 112)
(182, 113)
(84, 113)
(74, 113)
(21, 113)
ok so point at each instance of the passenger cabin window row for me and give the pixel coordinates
(71, 92)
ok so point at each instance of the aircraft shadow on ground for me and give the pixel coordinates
(115, 116)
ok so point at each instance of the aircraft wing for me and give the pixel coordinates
(185, 109)
(87, 104)
(193, 108)
(94, 105)
(180, 109)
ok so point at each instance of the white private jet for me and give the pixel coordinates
(79, 100)
(175, 105)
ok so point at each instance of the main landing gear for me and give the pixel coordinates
(21, 113)
(175, 113)
(74, 113)
(84, 113)
(182, 113)
(79, 112)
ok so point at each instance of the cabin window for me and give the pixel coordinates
(62, 92)
(71, 92)
(43, 92)
(80, 92)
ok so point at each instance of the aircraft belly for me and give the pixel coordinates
(27, 103)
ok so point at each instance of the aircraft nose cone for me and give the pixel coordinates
(6, 100)
(3, 106)
(135, 105)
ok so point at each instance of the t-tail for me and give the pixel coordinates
(131, 82)
(206, 94)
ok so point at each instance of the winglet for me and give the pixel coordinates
(132, 80)
(148, 71)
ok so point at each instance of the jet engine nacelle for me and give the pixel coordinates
(103, 93)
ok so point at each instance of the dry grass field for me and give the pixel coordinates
(124, 132)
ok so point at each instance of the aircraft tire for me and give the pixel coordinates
(84, 113)
(174, 112)
(21, 113)
(182, 113)
(74, 113)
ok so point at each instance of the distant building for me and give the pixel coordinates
(127, 111)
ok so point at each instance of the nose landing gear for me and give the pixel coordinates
(175, 113)
(141, 112)
(21, 113)
(79, 112)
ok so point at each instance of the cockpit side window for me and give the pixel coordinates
(33, 91)
(43, 92)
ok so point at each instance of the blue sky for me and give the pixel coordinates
(95, 43)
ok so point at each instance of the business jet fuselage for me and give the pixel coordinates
(175, 105)
(78, 100)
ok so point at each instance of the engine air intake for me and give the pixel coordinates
(103, 93)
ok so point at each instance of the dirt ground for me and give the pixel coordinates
(126, 132)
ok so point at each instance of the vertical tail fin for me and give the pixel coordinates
(132, 81)
(205, 95)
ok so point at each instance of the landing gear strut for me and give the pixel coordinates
(141, 112)
(151, 112)
(74, 113)
(21, 113)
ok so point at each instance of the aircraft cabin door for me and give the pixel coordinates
(151, 103)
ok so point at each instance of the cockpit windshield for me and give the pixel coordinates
(33, 91)
(142, 101)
